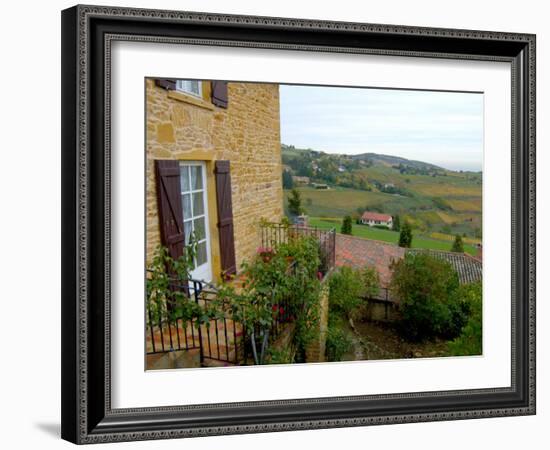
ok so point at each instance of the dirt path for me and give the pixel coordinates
(379, 341)
(357, 344)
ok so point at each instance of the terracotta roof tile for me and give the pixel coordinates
(469, 269)
(358, 252)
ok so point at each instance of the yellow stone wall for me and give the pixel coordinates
(316, 350)
(247, 134)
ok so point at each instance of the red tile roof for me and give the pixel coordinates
(358, 252)
(367, 215)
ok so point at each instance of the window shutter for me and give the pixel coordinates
(225, 218)
(169, 206)
(219, 93)
(169, 85)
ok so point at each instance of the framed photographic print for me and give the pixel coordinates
(281, 224)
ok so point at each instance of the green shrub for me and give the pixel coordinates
(295, 203)
(280, 356)
(458, 245)
(371, 281)
(345, 289)
(350, 288)
(346, 225)
(381, 227)
(470, 340)
(430, 304)
(285, 274)
(304, 288)
(396, 223)
(338, 340)
(405, 235)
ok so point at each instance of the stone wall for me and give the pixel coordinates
(247, 134)
(380, 311)
(315, 352)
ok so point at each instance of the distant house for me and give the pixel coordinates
(300, 180)
(341, 169)
(320, 186)
(373, 218)
(301, 221)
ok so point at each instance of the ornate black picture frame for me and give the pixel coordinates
(87, 35)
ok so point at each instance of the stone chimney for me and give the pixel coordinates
(479, 253)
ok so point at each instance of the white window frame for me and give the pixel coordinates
(199, 273)
(184, 86)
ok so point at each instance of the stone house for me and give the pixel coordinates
(213, 168)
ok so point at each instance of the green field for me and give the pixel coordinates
(367, 232)
(418, 209)
(339, 201)
(430, 198)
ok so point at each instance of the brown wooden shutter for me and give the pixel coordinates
(225, 218)
(168, 84)
(219, 93)
(169, 206)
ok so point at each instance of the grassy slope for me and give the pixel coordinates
(419, 209)
(341, 201)
(461, 191)
(367, 232)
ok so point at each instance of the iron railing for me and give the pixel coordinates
(221, 338)
(383, 295)
(217, 339)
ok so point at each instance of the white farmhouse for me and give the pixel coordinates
(373, 218)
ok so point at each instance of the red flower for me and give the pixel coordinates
(281, 310)
(274, 308)
(320, 276)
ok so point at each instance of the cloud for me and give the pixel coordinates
(444, 128)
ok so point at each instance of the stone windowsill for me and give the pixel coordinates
(182, 97)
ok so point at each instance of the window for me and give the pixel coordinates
(195, 216)
(192, 87)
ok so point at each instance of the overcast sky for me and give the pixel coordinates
(442, 128)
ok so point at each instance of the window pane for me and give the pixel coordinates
(193, 86)
(186, 204)
(198, 204)
(190, 86)
(184, 178)
(196, 177)
(188, 229)
(201, 253)
(200, 231)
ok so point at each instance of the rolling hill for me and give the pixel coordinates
(389, 160)
(431, 198)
